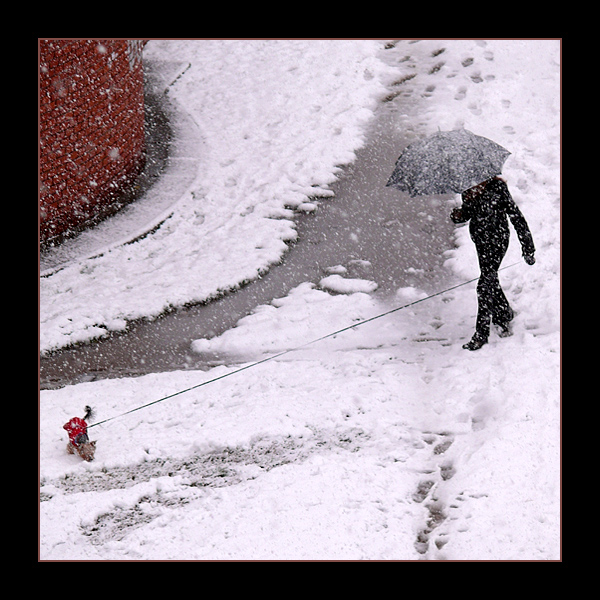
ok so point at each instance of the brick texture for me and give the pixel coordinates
(91, 117)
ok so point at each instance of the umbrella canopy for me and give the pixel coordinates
(447, 162)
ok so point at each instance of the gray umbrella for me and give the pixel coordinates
(447, 162)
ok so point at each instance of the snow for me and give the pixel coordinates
(385, 442)
(278, 120)
(343, 285)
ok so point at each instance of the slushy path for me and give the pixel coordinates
(375, 233)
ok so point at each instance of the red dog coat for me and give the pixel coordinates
(76, 427)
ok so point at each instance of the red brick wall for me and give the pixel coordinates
(91, 128)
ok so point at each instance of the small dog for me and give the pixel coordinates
(78, 439)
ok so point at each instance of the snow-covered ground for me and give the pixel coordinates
(278, 118)
(386, 442)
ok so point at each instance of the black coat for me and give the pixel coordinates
(488, 224)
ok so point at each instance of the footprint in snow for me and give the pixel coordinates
(461, 94)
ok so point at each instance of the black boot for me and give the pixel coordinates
(475, 343)
(504, 330)
(504, 325)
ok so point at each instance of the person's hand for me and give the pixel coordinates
(456, 215)
(529, 259)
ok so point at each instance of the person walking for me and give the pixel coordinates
(486, 206)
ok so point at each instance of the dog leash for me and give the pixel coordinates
(284, 352)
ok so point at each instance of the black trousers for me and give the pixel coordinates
(491, 301)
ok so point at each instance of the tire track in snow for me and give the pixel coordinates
(226, 467)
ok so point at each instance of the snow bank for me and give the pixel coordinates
(301, 316)
(342, 285)
(278, 118)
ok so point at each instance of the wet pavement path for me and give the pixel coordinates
(377, 233)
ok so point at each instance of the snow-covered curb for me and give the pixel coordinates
(278, 120)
